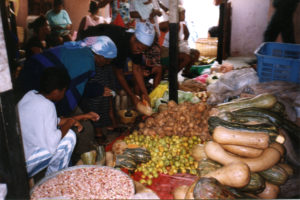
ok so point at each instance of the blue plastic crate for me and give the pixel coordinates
(278, 62)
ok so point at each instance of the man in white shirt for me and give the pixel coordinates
(48, 140)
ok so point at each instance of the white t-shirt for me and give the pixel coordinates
(38, 120)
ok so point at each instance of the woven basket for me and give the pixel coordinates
(207, 46)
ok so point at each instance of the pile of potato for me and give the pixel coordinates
(185, 119)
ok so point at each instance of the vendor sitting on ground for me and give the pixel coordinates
(60, 22)
(48, 140)
(129, 45)
(41, 37)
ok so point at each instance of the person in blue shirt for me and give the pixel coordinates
(60, 22)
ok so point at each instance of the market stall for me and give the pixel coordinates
(229, 136)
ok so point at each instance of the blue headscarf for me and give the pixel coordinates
(101, 45)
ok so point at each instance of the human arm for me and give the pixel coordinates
(81, 28)
(66, 123)
(139, 77)
(121, 78)
(148, 2)
(164, 26)
(163, 7)
(87, 116)
(186, 32)
(135, 14)
(36, 50)
(103, 3)
(68, 21)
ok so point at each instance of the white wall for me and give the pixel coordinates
(249, 20)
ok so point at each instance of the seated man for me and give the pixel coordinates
(48, 140)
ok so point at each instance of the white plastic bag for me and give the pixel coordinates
(231, 84)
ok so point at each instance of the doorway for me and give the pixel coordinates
(200, 16)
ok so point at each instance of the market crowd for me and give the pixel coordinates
(70, 78)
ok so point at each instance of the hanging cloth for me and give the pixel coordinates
(118, 20)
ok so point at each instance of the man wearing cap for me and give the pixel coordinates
(129, 45)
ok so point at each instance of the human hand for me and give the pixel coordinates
(135, 100)
(77, 125)
(146, 99)
(107, 92)
(156, 12)
(92, 116)
(58, 27)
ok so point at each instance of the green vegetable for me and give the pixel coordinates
(266, 128)
(210, 188)
(140, 155)
(206, 166)
(275, 175)
(125, 161)
(238, 118)
(256, 184)
(260, 101)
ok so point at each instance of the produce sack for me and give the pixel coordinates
(231, 84)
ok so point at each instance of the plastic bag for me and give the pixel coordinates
(182, 97)
(157, 93)
(231, 84)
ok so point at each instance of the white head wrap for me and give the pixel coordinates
(101, 45)
(145, 33)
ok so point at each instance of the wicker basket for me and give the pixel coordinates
(207, 46)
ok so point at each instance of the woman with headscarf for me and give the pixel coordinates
(80, 60)
(132, 46)
(99, 90)
(40, 40)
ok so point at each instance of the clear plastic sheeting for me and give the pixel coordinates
(287, 93)
(231, 84)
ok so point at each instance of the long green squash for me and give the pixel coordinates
(290, 127)
(271, 130)
(232, 117)
(260, 101)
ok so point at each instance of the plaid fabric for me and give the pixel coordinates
(152, 55)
